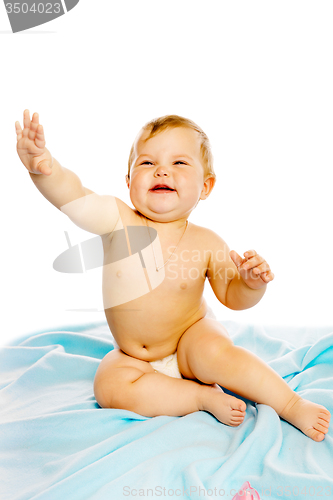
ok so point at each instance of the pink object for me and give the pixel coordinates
(247, 493)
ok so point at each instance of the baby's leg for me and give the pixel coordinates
(132, 384)
(206, 352)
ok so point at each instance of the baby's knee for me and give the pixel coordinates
(114, 380)
(220, 347)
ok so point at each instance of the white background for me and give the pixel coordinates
(255, 75)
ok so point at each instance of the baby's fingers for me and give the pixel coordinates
(40, 137)
(236, 258)
(36, 132)
(33, 126)
(262, 268)
(18, 129)
(44, 167)
(32, 130)
(26, 122)
(266, 277)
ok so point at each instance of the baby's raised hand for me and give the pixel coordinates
(253, 269)
(31, 145)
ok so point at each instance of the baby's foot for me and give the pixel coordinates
(310, 418)
(227, 409)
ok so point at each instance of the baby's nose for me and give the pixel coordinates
(160, 171)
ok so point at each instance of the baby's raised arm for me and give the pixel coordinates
(59, 185)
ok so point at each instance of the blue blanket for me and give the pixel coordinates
(56, 443)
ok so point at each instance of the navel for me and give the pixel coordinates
(183, 286)
(119, 274)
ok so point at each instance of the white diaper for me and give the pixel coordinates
(167, 365)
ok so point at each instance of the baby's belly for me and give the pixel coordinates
(152, 332)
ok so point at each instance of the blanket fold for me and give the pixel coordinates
(55, 441)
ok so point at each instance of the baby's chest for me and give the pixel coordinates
(134, 266)
(186, 268)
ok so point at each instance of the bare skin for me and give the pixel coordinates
(172, 315)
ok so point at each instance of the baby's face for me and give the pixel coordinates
(172, 158)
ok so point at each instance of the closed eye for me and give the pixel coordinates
(179, 161)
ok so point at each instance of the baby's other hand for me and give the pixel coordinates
(31, 145)
(253, 269)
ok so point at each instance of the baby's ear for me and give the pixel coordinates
(127, 180)
(207, 188)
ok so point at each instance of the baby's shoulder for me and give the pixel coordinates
(212, 246)
(207, 236)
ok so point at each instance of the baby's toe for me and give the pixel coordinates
(235, 422)
(315, 435)
(238, 413)
(242, 406)
(238, 405)
(237, 419)
(317, 432)
(320, 428)
(323, 422)
(325, 415)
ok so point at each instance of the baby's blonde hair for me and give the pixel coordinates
(172, 121)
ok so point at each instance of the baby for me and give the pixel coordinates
(171, 356)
